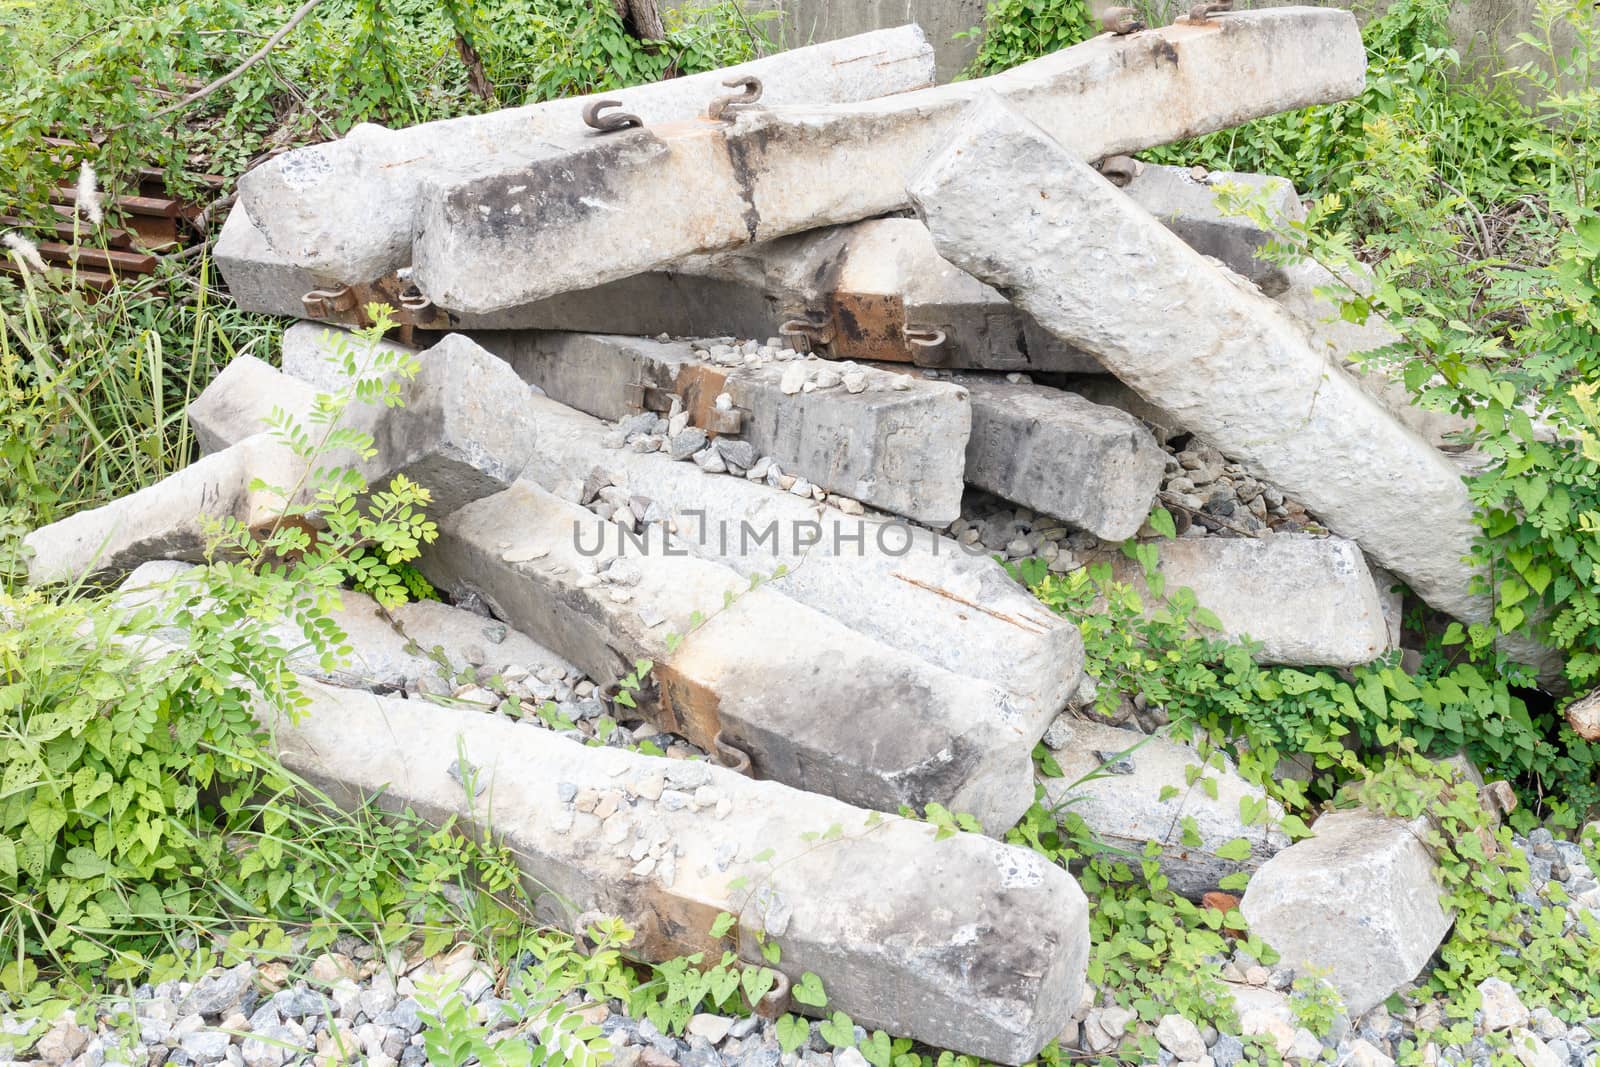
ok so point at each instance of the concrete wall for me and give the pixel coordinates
(806, 21)
(1485, 30)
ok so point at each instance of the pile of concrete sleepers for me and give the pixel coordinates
(710, 388)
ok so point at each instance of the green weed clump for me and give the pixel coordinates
(142, 809)
(113, 79)
(93, 389)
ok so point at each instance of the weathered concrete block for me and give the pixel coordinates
(567, 214)
(763, 673)
(1054, 451)
(594, 372)
(899, 448)
(240, 401)
(1187, 205)
(1343, 342)
(420, 646)
(464, 639)
(1007, 203)
(461, 432)
(871, 574)
(963, 943)
(1309, 601)
(343, 211)
(258, 276)
(164, 520)
(897, 444)
(1124, 808)
(312, 352)
(1360, 900)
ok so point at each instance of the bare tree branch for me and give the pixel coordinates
(260, 54)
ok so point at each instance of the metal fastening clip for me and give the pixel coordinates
(930, 340)
(776, 1000)
(1118, 170)
(641, 397)
(718, 109)
(805, 333)
(734, 758)
(326, 303)
(622, 120)
(1203, 11)
(412, 299)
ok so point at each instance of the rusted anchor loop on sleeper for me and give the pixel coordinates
(326, 303)
(718, 109)
(1118, 170)
(1202, 12)
(776, 1000)
(928, 338)
(621, 120)
(730, 756)
(1121, 21)
(412, 299)
(580, 930)
(805, 331)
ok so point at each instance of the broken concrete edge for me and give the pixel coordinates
(1134, 789)
(992, 963)
(166, 520)
(242, 400)
(1059, 454)
(343, 211)
(1188, 205)
(720, 649)
(461, 436)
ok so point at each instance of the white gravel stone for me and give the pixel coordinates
(1502, 1008)
(1180, 1037)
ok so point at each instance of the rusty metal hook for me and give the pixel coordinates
(802, 333)
(622, 120)
(717, 111)
(1203, 11)
(1118, 170)
(930, 340)
(731, 756)
(580, 929)
(412, 299)
(326, 303)
(776, 1000)
(1121, 21)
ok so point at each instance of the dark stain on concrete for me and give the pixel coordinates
(746, 150)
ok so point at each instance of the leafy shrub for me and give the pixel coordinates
(1265, 714)
(93, 391)
(140, 801)
(99, 74)
(543, 50)
(134, 770)
(1015, 31)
